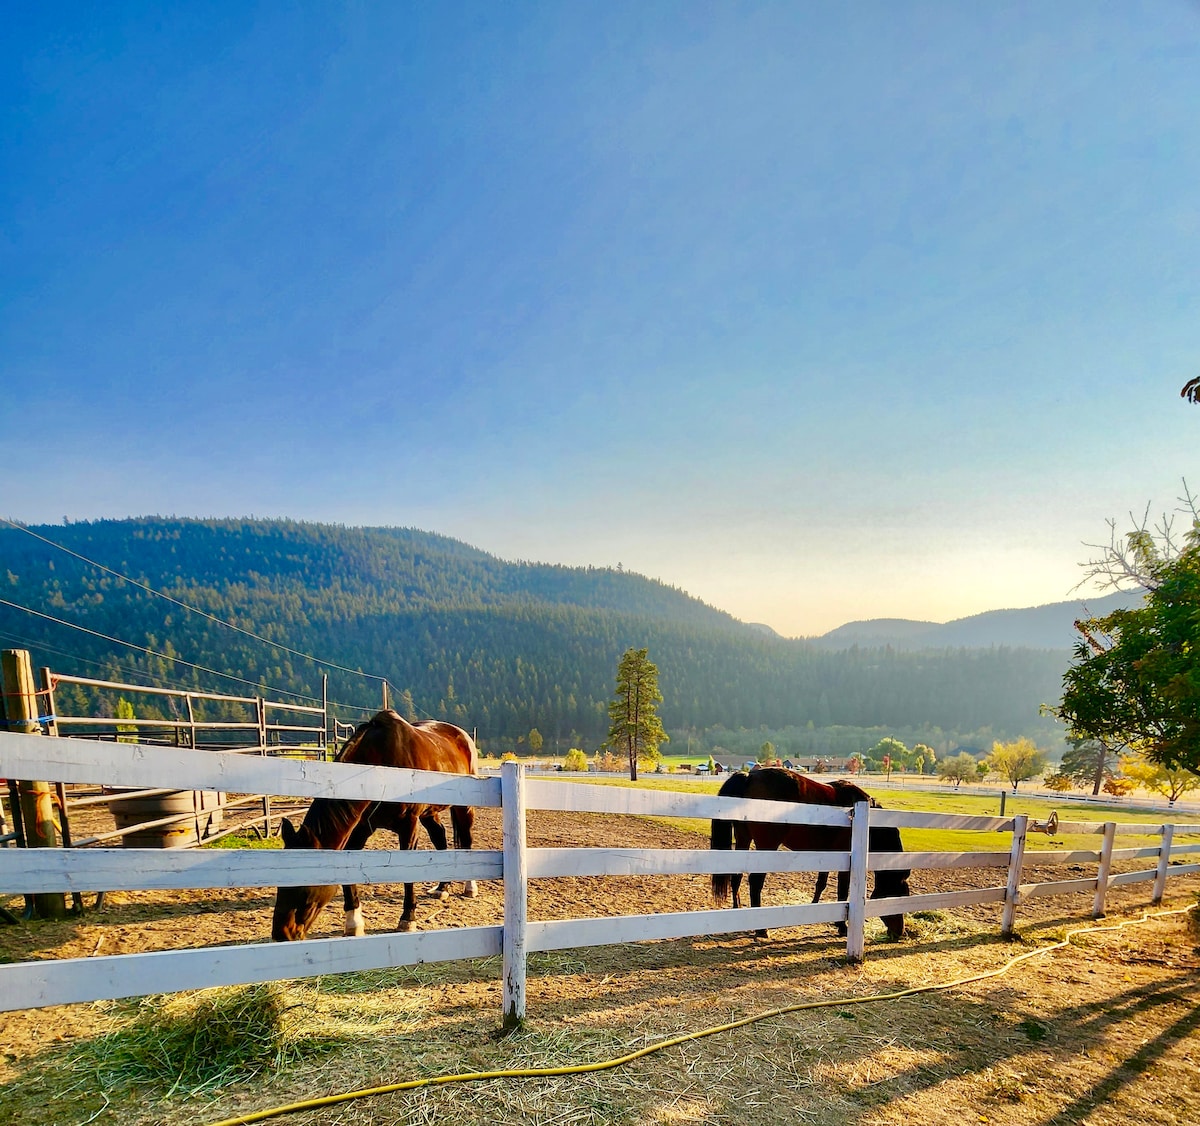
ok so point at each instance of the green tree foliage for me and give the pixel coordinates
(635, 729)
(1059, 782)
(1135, 680)
(766, 753)
(494, 646)
(535, 740)
(1017, 761)
(1170, 781)
(128, 730)
(1088, 762)
(890, 753)
(575, 760)
(958, 768)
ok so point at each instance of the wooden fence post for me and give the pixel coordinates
(856, 916)
(1164, 859)
(516, 891)
(36, 798)
(1016, 858)
(324, 744)
(1102, 873)
(262, 743)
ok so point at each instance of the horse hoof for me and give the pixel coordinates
(470, 890)
(354, 927)
(407, 925)
(760, 934)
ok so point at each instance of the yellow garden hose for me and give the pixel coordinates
(603, 1065)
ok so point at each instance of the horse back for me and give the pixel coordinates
(387, 739)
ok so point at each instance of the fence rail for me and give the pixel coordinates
(41, 870)
(250, 724)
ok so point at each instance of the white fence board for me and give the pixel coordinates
(1132, 877)
(581, 798)
(1134, 853)
(1057, 887)
(1180, 850)
(910, 819)
(567, 934)
(1076, 856)
(548, 862)
(30, 870)
(1124, 828)
(133, 764)
(1183, 869)
(1083, 828)
(883, 861)
(26, 985)
(933, 901)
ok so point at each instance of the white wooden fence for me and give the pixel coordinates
(49, 982)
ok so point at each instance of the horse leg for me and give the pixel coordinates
(354, 927)
(462, 817)
(741, 843)
(843, 893)
(822, 884)
(437, 836)
(406, 832)
(757, 879)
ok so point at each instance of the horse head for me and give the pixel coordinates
(297, 908)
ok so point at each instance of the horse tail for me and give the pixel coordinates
(722, 834)
(462, 818)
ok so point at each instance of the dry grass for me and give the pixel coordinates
(1102, 1033)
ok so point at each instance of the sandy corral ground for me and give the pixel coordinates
(1105, 1032)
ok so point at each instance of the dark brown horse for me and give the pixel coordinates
(335, 823)
(775, 784)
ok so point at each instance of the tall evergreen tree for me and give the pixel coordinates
(635, 729)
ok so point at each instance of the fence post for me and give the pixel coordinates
(324, 744)
(516, 891)
(262, 743)
(1164, 858)
(856, 915)
(1016, 858)
(1110, 835)
(36, 800)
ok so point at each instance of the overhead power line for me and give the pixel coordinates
(162, 656)
(190, 609)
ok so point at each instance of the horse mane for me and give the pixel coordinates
(849, 793)
(330, 819)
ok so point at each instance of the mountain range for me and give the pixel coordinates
(497, 646)
(1051, 626)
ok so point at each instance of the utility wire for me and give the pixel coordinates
(155, 653)
(191, 609)
(133, 670)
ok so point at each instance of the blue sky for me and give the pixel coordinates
(819, 312)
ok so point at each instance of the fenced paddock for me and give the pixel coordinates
(48, 982)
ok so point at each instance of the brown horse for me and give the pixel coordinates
(336, 823)
(775, 784)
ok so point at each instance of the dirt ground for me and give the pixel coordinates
(1105, 1032)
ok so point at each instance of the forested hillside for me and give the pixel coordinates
(499, 646)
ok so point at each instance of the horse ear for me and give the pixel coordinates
(287, 832)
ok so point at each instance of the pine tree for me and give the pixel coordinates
(635, 729)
